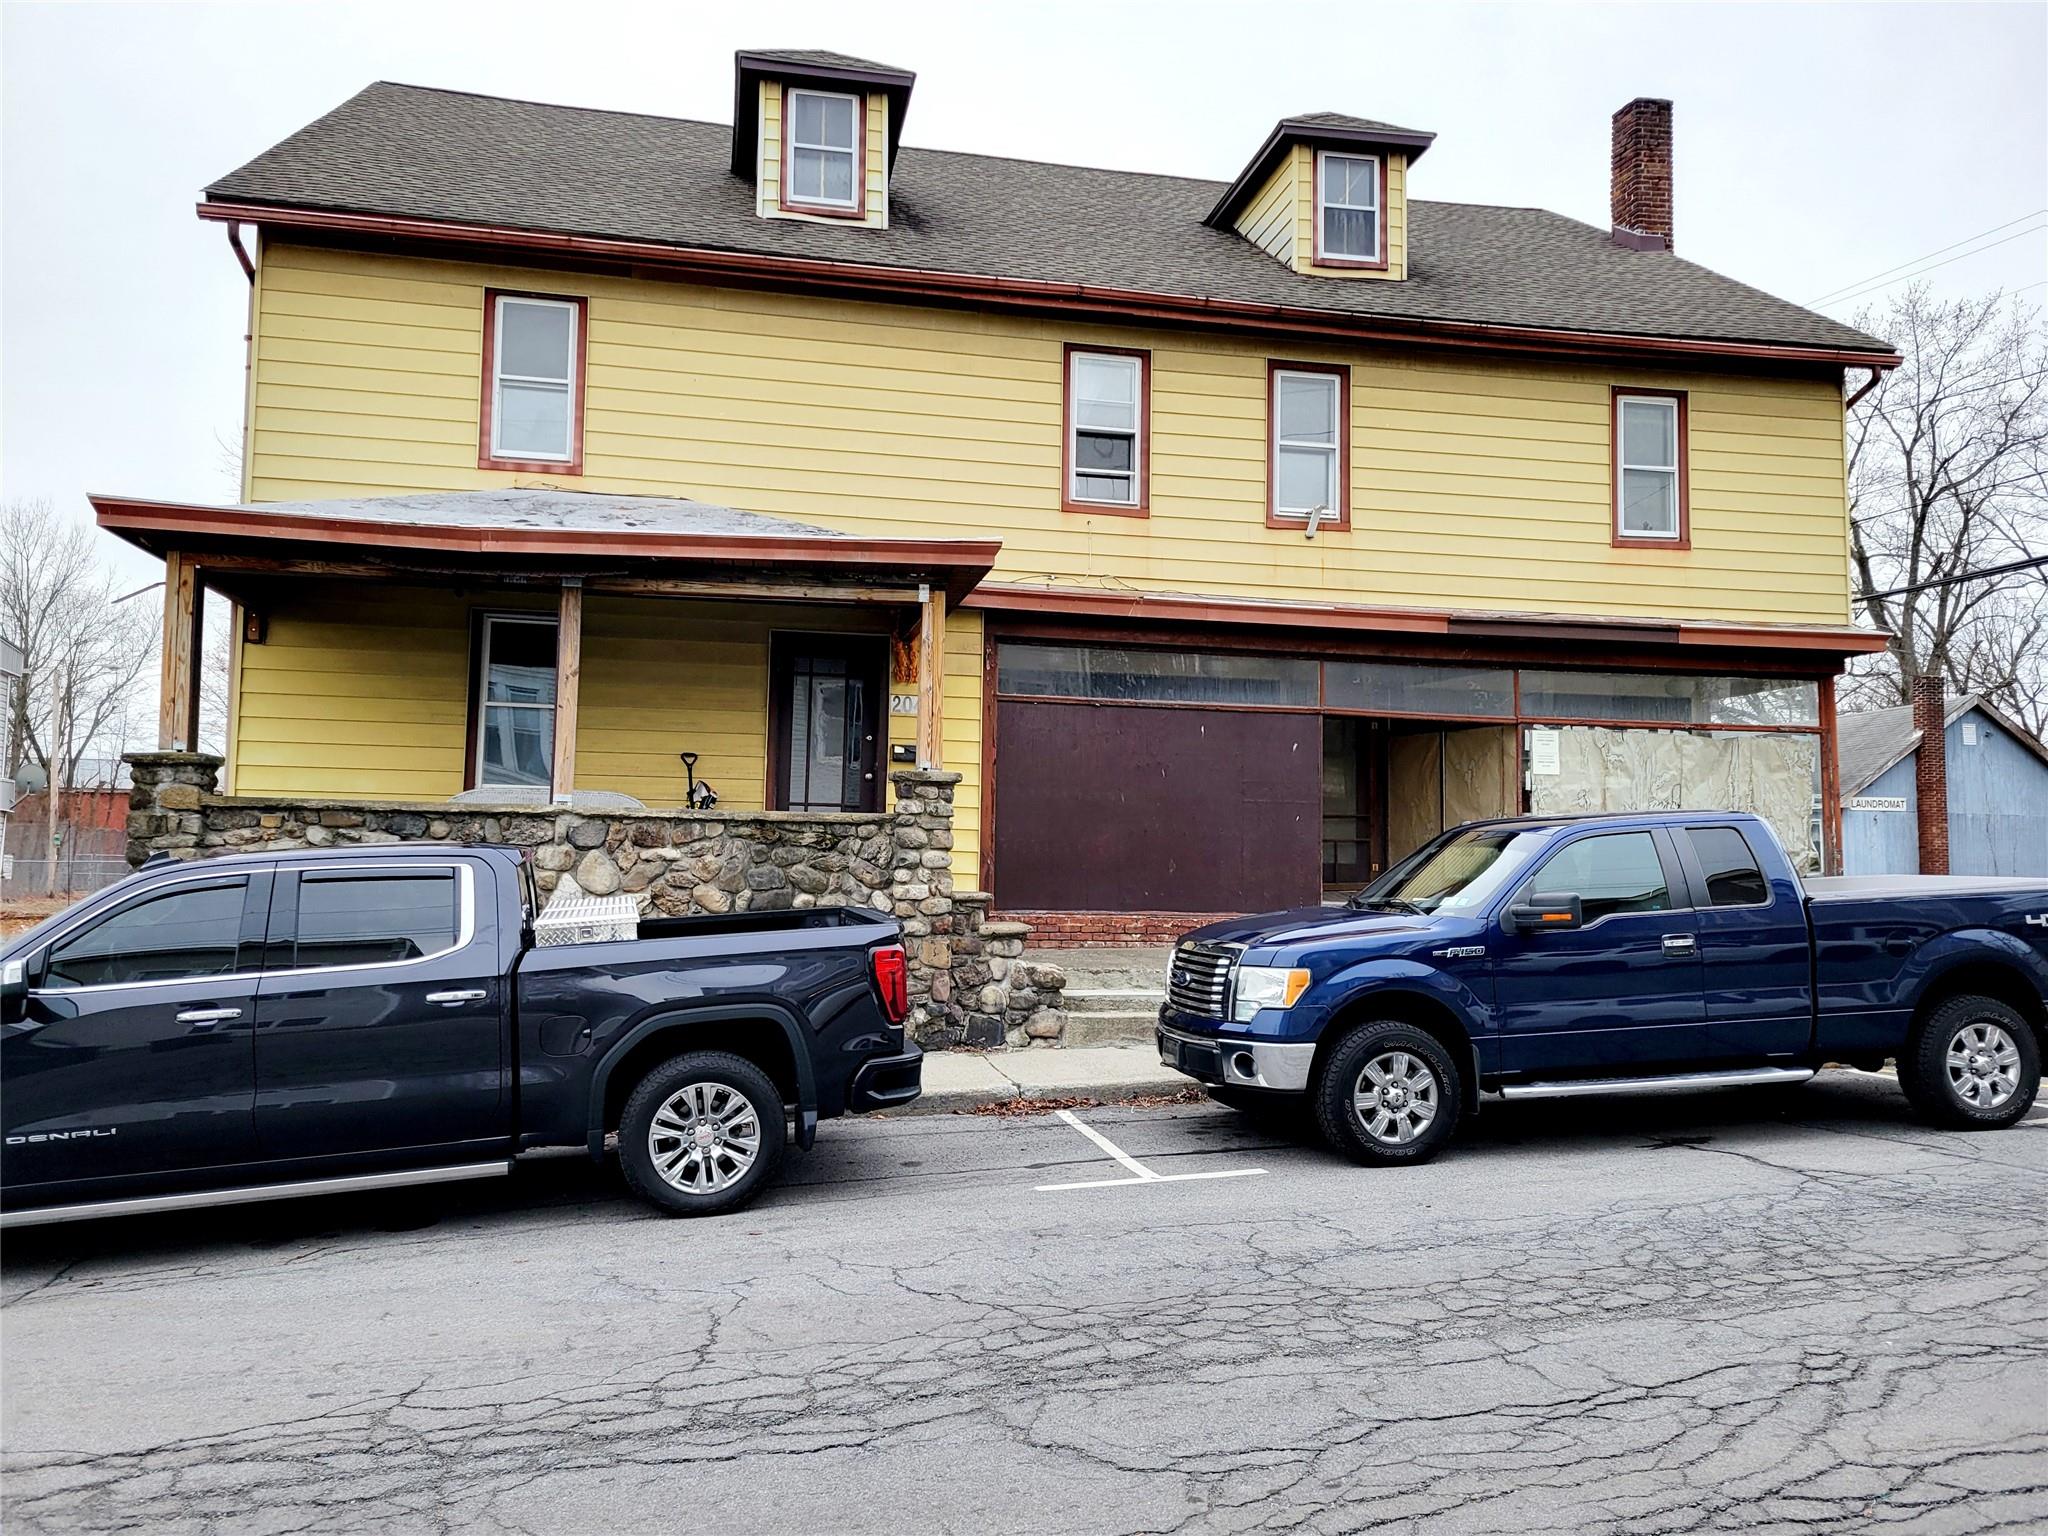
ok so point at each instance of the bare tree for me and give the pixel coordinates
(1948, 477)
(84, 656)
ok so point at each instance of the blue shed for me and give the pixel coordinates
(1997, 792)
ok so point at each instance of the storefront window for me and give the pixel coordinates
(1162, 677)
(1404, 688)
(1677, 700)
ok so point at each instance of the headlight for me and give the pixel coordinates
(1265, 986)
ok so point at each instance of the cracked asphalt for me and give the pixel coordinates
(1784, 1311)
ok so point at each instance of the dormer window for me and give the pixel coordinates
(1348, 208)
(822, 171)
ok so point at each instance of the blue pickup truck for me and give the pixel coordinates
(1553, 956)
(328, 1020)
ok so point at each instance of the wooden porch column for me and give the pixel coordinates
(568, 676)
(931, 678)
(177, 714)
(1830, 782)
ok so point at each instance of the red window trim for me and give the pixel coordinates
(1068, 502)
(1342, 371)
(788, 204)
(1316, 211)
(1621, 540)
(488, 393)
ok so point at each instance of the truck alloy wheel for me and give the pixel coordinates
(1387, 1094)
(1973, 1064)
(701, 1133)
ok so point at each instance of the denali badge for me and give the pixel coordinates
(104, 1130)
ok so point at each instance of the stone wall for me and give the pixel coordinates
(969, 981)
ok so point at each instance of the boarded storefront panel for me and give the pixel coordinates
(1437, 779)
(1121, 808)
(1608, 769)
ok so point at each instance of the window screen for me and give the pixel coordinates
(535, 364)
(191, 931)
(1616, 873)
(1733, 878)
(375, 919)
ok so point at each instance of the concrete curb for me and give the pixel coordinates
(965, 1080)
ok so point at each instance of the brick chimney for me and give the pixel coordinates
(1930, 771)
(1642, 175)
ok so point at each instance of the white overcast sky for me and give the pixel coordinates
(1817, 145)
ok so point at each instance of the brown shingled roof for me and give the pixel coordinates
(411, 152)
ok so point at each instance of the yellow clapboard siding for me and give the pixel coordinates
(906, 421)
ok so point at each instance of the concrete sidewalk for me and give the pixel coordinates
(968, 1079)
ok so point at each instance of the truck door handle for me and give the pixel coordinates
(208, 1015)
(1680, 944)
(451, 999)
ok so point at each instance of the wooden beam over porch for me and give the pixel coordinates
(177, 715)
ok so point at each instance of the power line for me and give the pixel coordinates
(1923, 271)
(1888, 271)
(2007, 569)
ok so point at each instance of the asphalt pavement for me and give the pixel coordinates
(1793, 1310)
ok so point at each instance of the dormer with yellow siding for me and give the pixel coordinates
(1327, 196)
(816, 133)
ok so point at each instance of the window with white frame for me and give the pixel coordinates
(824, 160)
(1105, 426)
(1348, 211)
(1649, 495)
(534, 348)
(1308, 444)
(515, 730)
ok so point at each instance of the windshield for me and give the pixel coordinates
(1459, 872)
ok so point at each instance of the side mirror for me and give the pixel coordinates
(1542, 913)
(13, 991)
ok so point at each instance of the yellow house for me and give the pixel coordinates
(1226, 539)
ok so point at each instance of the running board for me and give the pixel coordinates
(248, 1193)
(1747, 1077)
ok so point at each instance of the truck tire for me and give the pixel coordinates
(1387, 1095)
(701, 1134)
(1973, 1064)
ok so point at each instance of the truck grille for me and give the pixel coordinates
(1198, 980)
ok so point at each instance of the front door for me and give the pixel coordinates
(132, 1055)
(828, 719)
(380, 1020)
(1621, 992)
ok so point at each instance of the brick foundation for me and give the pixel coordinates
(1072, 930)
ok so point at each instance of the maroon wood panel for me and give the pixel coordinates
(1116, 808)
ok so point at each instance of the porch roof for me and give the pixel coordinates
(517, 531)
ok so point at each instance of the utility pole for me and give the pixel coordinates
(60, 699)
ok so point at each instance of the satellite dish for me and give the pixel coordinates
(29, 778)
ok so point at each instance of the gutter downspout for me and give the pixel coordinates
(241, 253)
(1876, 374)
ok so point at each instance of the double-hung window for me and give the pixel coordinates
(1309, 447)
(1348, 208)
(1106, 421)
(822, 171)
(533, 383)
(515, 727)
(1649, 468)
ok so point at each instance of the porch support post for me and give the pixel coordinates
(931, 679)
(1830, 783)
(568, 677)
(177, 715)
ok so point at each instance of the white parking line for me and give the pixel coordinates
(1143, 1175)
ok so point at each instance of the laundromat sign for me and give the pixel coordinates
(1874, 803)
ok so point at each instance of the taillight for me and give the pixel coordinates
(892, 981)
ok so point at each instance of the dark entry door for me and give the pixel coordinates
(827, 721)
(1125, 808)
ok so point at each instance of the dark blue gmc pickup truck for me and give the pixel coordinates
(254, 1027)
(1543, 957)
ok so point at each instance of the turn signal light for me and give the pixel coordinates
(892, 981)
